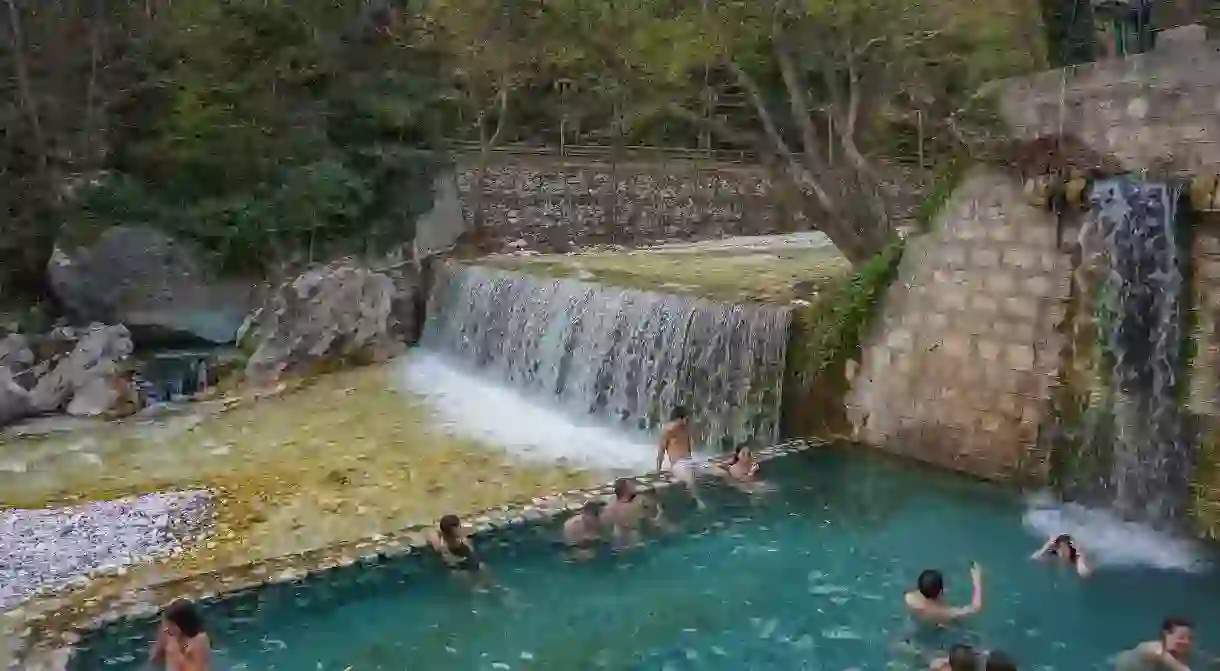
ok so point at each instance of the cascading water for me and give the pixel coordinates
(621, 356)
(1133, 429)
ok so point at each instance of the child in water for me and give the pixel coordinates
(182, 644)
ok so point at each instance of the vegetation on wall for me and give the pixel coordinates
(825, 336)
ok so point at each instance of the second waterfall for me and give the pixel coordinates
(623, 356)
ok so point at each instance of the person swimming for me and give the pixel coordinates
(1170, 653)
(454, 548)
(963, 657)
(584, 532)
(629, 511)
(1064, 548)
(927, 606)
(743, 467)
(182, 644)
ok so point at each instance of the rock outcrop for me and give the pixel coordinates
(14, 399)
(340, 312)
(97, 359)
(155, 284)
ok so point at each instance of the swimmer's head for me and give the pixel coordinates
(624, 489)
(962, 658)
(998, 661)
(679, 414)
(182, 619)
(1064, 547)
(591, 510)
(742, 451)
(1177, 635)
(931, 584)
(450, 525)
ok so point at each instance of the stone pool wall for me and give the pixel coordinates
(960, 365)
(46, 630)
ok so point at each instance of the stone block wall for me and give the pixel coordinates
(552, 205)
(1158, 111)
(959, 367)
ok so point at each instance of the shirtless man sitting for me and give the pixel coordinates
(675, 443)
(926, 605)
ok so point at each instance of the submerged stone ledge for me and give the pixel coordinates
(48, 630)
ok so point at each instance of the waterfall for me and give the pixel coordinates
(624, 357)
(1134, 420)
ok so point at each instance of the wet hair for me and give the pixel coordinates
(1169, 624)
(620, 487)
(450, 524)
(592, 508)
(998, 661)
(737, 452)
(185, 616)
(679, 412)
(931, 584)
(1065, 539)
(962, 658)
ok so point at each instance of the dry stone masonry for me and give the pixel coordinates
(961, 364)
(551, 206)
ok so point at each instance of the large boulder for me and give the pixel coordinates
(155, 284)
(14, 399)
(333, 314)
(100, 354)
(15, 353)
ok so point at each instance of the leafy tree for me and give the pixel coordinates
(265, 130)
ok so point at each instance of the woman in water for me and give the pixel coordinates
(182, 644)
(741, 470)
(1063, 548)
(454, 548)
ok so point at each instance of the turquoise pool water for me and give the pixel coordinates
(810, 577)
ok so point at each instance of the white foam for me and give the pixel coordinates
(477, 408)
(1110, 540)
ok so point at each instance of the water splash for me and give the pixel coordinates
(618, 356)
(476, 408)
(1111, 540)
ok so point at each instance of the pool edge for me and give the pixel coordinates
(45, 638)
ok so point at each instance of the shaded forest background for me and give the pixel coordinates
(274, 132)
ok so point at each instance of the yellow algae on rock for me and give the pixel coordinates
(339, 457)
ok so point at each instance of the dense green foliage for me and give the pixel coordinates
(268, 131)
(278, 131)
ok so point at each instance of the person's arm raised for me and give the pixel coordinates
(1046, 547)
(1083, 568)
(976, 596)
